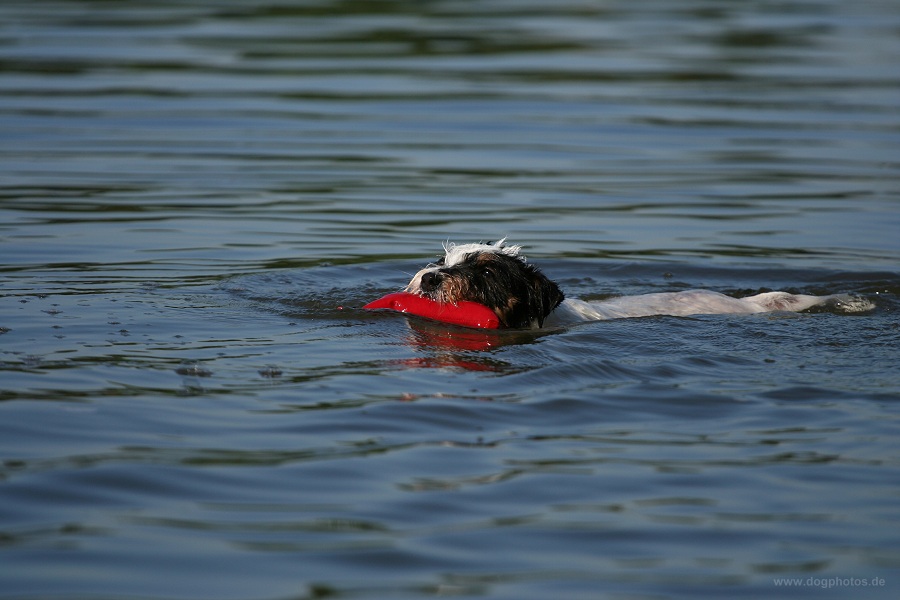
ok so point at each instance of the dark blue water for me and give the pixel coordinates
(196, 198)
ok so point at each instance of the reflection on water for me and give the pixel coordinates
(197, 197)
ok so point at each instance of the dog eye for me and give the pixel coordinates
(440, 262)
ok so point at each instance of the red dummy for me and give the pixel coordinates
(467, 314)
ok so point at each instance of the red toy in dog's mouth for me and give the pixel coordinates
(466, 314)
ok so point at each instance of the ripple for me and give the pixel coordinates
(198, 198)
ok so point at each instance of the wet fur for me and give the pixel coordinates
(518, 293)
(496, 276)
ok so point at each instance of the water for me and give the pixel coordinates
(198, 196)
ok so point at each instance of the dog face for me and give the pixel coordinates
(493, 275)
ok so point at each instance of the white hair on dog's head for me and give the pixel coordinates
(457, 253)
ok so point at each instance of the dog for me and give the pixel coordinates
(497, 276)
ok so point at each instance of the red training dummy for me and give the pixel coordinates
(467, 314)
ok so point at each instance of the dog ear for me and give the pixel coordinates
(544, 297)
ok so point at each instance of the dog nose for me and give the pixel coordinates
(430, 281)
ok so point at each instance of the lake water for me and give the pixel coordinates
(196, 198)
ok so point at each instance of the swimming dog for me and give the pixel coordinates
(497, 276)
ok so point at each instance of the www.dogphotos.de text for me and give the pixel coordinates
(829, 582)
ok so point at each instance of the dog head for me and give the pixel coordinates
(493, 275)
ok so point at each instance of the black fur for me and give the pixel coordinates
(517, 292)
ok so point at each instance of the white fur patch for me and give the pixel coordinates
(695, 302)
(456, 253)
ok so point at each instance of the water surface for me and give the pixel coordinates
(197, 197)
